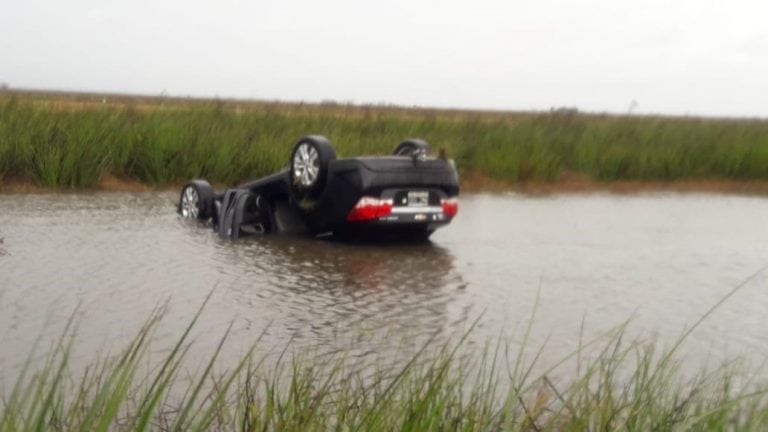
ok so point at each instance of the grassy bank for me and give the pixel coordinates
(75, 141)
(620, 385)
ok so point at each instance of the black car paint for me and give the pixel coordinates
(348, 180)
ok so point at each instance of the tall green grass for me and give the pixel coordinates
(69, 144)
(618, 385)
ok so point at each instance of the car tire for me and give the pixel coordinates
(411, 146)
(196, 200)
(309, 167)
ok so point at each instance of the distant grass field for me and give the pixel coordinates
(74, 141)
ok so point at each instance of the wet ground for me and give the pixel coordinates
(592, 261)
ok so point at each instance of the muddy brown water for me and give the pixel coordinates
(593, 261)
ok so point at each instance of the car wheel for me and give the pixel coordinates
(412, 147)
(309, 166)
(196, 200)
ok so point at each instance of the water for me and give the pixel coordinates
(582, 264)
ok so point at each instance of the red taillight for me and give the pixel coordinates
(450, 206)
(369, 208)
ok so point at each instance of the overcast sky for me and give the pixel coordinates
(696, 57)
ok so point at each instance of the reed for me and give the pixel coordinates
(619, 385)
(62, 141)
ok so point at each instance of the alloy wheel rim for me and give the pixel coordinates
(306, 165)
(189, 203)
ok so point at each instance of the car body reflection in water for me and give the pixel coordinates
(330, 294)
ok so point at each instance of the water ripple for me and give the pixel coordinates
(662, 259)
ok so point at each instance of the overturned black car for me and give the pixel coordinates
(407, 195)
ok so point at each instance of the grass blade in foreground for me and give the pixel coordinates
(625, 385)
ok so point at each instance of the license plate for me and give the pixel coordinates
(418, 199)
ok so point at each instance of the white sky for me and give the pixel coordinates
(697, 57)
